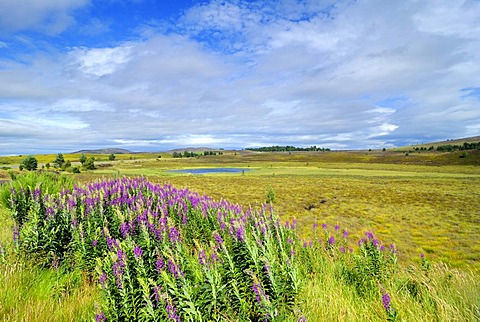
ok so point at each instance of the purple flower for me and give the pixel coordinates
(259, 293)
(103, 279)
(241, 233)
(95, 243)
(302, 319)
(100, 317)
(218, 239)
(174, 235)
(345, 233)
(294, 223)
(315, 225)
(361, 242)
(172, 313)
(337, 227)
(156, 290)
(369, 235)
(202, 257)
(160, 265)
(124, 229)
(121, 255)
(386, 301)
(137, 252)
(422, 256)
(324, 226)
(393, 250)
(331, 240)
(174, 269)
(118, 272)
(342, 250)
(214, 257)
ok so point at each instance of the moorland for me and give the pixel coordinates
(426, 203)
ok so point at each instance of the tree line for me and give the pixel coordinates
(189, 154)
(30, 163)
(286, 148)
(451, 147)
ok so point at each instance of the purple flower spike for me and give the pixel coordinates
(174, 235)
(302, 319)
(345, 233)
(137, 252)
(324, 226)
(172, 313)
(103, 279)
(386, 300)
(337, 227)
(156, 290)
(241, 233)
(100, 317)
(218, 239)
(202, 257)
(422, 256)
(259, 293)
(331, 240)
(160, 265)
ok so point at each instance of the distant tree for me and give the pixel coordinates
(59, 160)
(29, 163)
(111, 157)
(67, 165)
(89, 164)
(384, 149)
(47, 165)
(82, 159)
(76, 170)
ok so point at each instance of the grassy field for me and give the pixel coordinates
(427, 203)
(421, 208)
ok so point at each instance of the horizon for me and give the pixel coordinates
(151, 76)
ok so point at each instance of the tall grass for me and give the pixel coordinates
(157, 253)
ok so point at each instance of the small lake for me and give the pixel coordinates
(210, 170)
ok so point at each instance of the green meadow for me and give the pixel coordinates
(422, 202)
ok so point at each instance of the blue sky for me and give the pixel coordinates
(154, 75)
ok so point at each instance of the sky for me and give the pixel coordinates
(153, 75)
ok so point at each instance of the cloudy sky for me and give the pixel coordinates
(151, 75)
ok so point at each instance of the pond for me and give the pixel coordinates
(210, 170)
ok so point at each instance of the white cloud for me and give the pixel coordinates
(238, 73)
(450, 18)
(101, 61)
(49, 16)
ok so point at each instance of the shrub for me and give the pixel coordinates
(30, 163)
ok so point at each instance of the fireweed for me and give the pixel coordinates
(160, 253)
(163, 254)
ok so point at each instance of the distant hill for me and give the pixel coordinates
(472, 139)
(104, 151)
